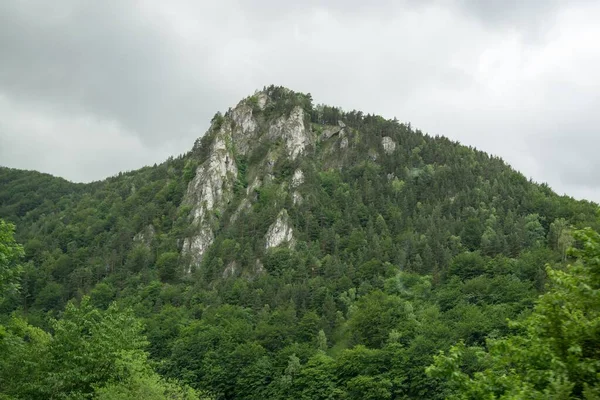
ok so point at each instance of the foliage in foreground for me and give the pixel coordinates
(89, 354)
(555, 353)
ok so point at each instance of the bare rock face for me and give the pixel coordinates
(297, 198)
(197, 245)
(262, 100)
(335, 130)
(344, 143)
(209, 191)
(329, 132)
(372, 154)
(230, 270)
(293, 132)
(246, 128)
(280, 231)
(244, 205)
(389, 146)
(253, 186)
(259, 268)
(298, 178)
(145, 236)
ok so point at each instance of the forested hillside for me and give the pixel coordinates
(299, 252)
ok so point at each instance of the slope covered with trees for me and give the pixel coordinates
(297, 251)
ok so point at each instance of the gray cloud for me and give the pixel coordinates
(89, 89)
(100, 58)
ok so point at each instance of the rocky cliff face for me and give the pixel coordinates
(280, 232)
(246, 129)
(209, 192)
(293, 131)
(389, 146)
(238, 135)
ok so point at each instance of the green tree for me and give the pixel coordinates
(142, 382)
(168, 264)
(23, 349)
(10, 254)
(315, 380)
(87, 347)
(556, 352)
(467, 265)
(139, 258)
(559, 237)
(375, 315)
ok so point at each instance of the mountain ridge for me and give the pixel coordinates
(276, 125)
(294, 244)
(251, 99)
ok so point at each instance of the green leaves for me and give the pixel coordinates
(88, 344)
(10, 254)
(22, 351)
(556, 350)
(90, 353)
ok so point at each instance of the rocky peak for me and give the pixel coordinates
(275, 118)
(293, 131)
(209, 191)
(245, 128)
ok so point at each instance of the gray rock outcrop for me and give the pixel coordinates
(280, 231)
(389, 146)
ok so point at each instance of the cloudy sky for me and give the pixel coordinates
(91, 88)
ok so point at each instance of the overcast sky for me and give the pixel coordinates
(91, 88)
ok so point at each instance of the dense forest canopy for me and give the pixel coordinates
(299, 251)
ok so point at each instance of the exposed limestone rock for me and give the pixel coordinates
(211, 189)
(329, 132)
(372, 154)
(270, 161)
(246, 128)
(262, 100)
(244, 205)
(298, 178)
(253, 186)
(280, 231)
(297, 198)
(242, 116)
(334, 130)
(259, 268)
(197, 245)
(292, 131)
(269, 178)
(213, 179)
(388, 144)
(145, 236)
(230, 270)
(344, 143)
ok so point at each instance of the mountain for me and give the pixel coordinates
(297, 251)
